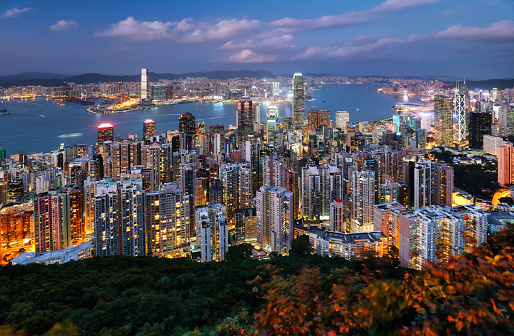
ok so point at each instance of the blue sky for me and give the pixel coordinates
(473, 38)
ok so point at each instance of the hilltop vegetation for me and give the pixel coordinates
(296, 295)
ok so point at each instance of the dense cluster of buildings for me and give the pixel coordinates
(354, 188)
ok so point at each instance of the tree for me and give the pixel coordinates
(300, 246)
(239, 252)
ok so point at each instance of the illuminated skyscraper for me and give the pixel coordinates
(52, 222)
(479, 125)
(245, 119)
(144, 83)
(460, 114)
(271, 124)
(212, 232)
(298, 101)
(149, 128)
(275, 217)
(342, 119)
(444, 119)
(186, 124)
(506, 164)
(105, 133)
(363, 200)
(318, 118)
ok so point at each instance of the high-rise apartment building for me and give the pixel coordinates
(362, 200)
(186, 124)
(167, 219)
(337, 222)
(298, 101)
(52, 222)
(275, 218)
(212, 232)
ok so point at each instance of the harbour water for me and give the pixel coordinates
(41, 125)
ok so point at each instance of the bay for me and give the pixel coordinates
(40, 125)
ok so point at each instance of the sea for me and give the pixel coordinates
(41, 125)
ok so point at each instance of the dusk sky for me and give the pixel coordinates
(471, 38)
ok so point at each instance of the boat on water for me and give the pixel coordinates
(4, 112)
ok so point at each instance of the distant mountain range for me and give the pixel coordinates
(54, 79)
(51, 79)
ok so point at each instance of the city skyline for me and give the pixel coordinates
(422, 37)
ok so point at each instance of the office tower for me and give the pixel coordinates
(318, 118)
(186, 124)
(95, 167)
(479, 125)
(149, 128)
(245, 119)
(144, 84)
(363, 199)
(106, 241)
(77, 211)
(443, 106)
(506, 164)
(342, 119)
(159, 93)
(385, 220)
(337, 216)
(444, 184)
(298, 101)
(275, 218)
(271, 124)
(491, 144)
(52, 222)
(460, 114)
(246, 221)
(506, 120)
(105, 133)
(212, 232)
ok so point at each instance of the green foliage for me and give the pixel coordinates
(239, 252)
(300, 246)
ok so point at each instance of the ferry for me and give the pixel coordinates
(4, 112)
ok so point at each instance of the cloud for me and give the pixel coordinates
(400, 5)
(327, 21)
(497, 31)
(184, 31)
(63, 25)
(249, 56)
(14, 12)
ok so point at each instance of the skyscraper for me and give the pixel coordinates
(460, 113)
(149, 128)
(318, 118)
(186, 124)
(342, 119)
(298, 101)
(506, 164)
(144, 83)
(444, 120)
(245, 119)
(212, 232)
(479, 125)
(275, 218)
(271, 124)
(105, 133)
(52, 222)
(363, 200)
